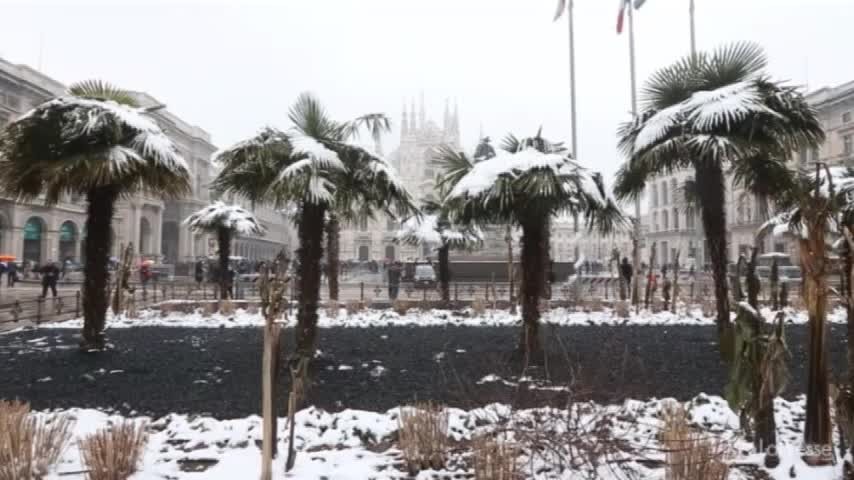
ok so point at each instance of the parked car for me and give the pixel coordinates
(425, 276)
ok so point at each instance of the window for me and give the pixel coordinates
(654, 195)
(846, 145)
(689, 219)
(664, 220)
(654, 221)
(664, 193)
(363, 224)
(846, 117)
(675, 219)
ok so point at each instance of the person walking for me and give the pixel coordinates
(50, 274)
(627, 271)
(12, 274)
(394, 273)
(199, 272)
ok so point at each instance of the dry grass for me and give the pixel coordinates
(478, 306)
(423, 437)
(401, 307)
(114, 453)
(226, 307)
(355, 306)
(494, 460)
(691, 455)
(29, 444)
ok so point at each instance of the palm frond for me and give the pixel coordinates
(102, 91)
(219, 215)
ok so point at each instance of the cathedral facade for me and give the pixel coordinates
(420, 139)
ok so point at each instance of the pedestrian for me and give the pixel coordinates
(199, 273)
(144, 274)
(394, 272)
(4, 267)
(626, 270)
(50, 274)
(12, 274)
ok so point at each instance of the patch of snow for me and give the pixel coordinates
(427, 318)
(344, 445)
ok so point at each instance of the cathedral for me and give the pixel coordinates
(420, 139)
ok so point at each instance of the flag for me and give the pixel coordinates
(561, 6)
(623, 4)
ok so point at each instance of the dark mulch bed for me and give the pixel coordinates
(155, 371)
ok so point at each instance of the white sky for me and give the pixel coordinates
(234, 66)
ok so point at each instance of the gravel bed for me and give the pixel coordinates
(158, 370)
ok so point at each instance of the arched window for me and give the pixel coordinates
(33, 234)
(67, 241)
(654, 221)
(664, 220)
(663, 193)
(675, 219)
(673, 194)
(654, 195)
(689, 218)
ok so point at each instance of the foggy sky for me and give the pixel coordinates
(231, 67)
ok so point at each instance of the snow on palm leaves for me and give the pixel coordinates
(532, 173)
(429, 230)
(232, 217)
(89, 143)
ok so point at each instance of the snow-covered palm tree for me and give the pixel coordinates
(714, 112)
(434, 230)
(527, 183)
(97, 143)
(225, 221)
(312, 169)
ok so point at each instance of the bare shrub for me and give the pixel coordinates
(114, 453)
(30, 445)
(689, 454)
(354, 306)
(423, 437)
(401, 307)
(226, 307)
(494, 459)
(478, 306)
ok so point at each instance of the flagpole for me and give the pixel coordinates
(571, 20)
(693, 31)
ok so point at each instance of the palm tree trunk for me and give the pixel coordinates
(531, 289)
(309, 254)
(445, 273)
(711, 191)
(223, 239)
(817, 431)
(100, 207)
(333, 252)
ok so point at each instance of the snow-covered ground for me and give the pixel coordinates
(360, 445)
(428, 318)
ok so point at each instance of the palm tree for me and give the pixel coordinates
(346, 208)
(811, 210)
(312, 168)
(528, 182)
(435, 230)
(94, 142)
(711, 112)
(225, 221)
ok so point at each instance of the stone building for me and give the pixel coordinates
(420, 139)
(33, 231)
